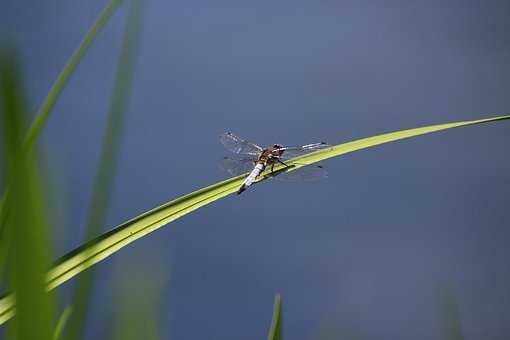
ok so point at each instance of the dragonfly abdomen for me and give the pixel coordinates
(251, 177)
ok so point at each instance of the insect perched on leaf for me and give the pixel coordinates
(250, 156)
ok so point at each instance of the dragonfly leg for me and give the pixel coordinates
(272, 167)
(282, 162)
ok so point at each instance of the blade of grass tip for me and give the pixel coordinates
(62, 321)
(101, 194)
(449, 314)
(27, 229)
(275, 332)
(110, 242)
(49, 102)
(67, 71)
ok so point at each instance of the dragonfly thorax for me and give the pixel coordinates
(271, 154)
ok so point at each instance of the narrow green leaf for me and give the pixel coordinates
(103, 181)
(65, 74)
(49, 102)
(62, 323)
(105, 245)
(27, 231)
(275, 332)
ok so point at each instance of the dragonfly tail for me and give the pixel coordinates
(241, 189)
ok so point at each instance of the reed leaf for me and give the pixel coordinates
(27, 227)
(62, 321)
(107, 244)
(56, 90)
(62, 79)
(103, 181)
(275, 332)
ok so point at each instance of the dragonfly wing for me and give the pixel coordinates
(296, 151)
(238, 145)
(303, 174)
(237, 166)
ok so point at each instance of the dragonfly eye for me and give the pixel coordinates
(277, 146)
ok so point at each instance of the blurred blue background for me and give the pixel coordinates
(362, 252)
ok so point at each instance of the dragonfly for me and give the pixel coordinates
(256, 159)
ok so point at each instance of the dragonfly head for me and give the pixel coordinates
(277, 149)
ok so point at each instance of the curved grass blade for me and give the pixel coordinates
(364, 143)
(105, 245)
(62, 321)
(56, 90)
(275, 332)
(65, 74)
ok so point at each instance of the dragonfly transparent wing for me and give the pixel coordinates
(238, 145)
(237, 166)
(306, 174)
(296, 151)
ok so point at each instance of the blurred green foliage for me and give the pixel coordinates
(275, 332)
(56, 90)
(61, 323)
(26, 230)
(103, 182)
(33, 132)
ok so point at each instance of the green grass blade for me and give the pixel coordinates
(364, 143)
(103, 182)
(65, 74)
(7, 304)
(49, 102)
(275, 332)
(107, 244)
(62, 321)
(27, 231)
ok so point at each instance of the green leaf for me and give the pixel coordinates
(275, 332)
(65, 74)
(56, 90)
(62, 323)
(37, 125)
(27, 231)
(103, 181)
(105, 245)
